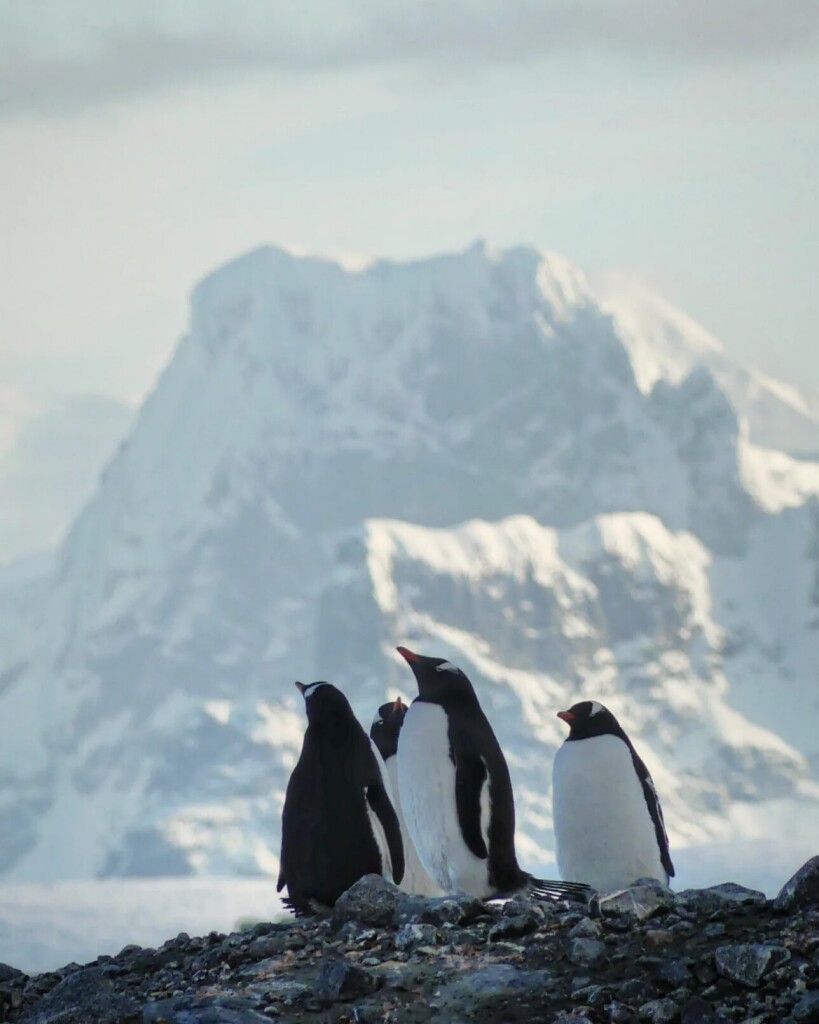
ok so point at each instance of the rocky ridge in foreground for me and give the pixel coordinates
(707, 956)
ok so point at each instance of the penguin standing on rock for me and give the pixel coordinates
(609, 827)
(384, 733)
(455, 790)
(338, 823)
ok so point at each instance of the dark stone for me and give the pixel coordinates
(584, 952)
(514, 927)
(619, 1013)
(471, 993)
(372, 900)
(637, 903)
(673, 974)
(184, 1010)
(659, 1011)
(8, 973)
(449, 910)
(84, 996)
(411, 936)
(748, 964)
(338, 979)
(802, 890)
(635, 990)
(585, 928)
(806, 1010)
(698, 1011)
(717, 900)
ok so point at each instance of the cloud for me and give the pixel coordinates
(125, 60)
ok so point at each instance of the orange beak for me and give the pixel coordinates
(567, 716)
(407, 654)
(301, 688)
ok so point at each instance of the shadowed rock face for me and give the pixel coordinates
(714, 955)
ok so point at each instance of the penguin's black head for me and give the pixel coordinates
(439, 681)
(386, 726)
(325, 704)
(590, 718)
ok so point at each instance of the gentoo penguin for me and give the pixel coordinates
(338, 822)
(455, 789)
(384, 733)
(609, 827)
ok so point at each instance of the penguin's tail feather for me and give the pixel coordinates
(546, 889)
(304, 908)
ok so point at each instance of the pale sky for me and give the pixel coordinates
(141, 145)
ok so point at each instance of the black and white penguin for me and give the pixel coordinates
(455, 789)
(338, 822)
(609, 828)
(384, 733)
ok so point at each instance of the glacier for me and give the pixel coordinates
(476, 454)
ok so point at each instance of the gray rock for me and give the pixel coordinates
(185, 1010)
(584, 952)
(802, 890)
(673, 974)
(338, 979)
(494, 980)
(619, 1013)
(585, 929)
(637, 903)
(372, 900)
(411, 936)
(748, 964)
(806, 1010)
(718, 899)
(514, 927)
(635, 990)
(659, 1011)
(733, 893)
(81, 997)
(453, 910)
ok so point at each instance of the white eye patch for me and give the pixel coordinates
(446, 666)
(378, 720)
(311, 689)
(595, 707)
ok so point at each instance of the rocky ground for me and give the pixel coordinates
(725, 954)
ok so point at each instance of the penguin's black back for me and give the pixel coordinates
(327, 838)
(477, 756)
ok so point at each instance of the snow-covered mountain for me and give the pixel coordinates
(462, 454)
(665, 344)
(51, 453)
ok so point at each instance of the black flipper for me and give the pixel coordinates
(470, 777)
(654, 809)
(385, 812)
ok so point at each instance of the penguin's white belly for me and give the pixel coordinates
(416, 880)
(603, 829)
(426, 783)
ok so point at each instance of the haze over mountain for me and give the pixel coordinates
(476, 455)
(51, 453)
